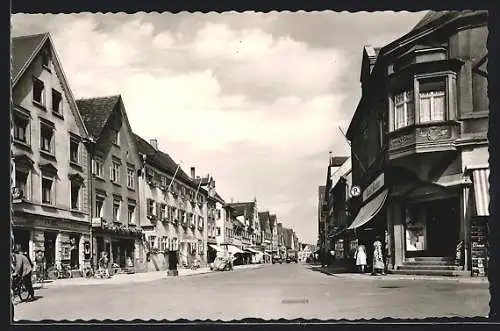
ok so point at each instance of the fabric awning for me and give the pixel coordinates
(252, 250)
(369, 210)
(481, 191)
(233, 249)
(217, 248)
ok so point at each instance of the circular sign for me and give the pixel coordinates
(355, 191)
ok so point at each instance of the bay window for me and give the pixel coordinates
(430, 100)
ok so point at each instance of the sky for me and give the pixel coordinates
(253, 99)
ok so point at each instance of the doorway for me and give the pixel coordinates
(74, 251)
(49, 244)
(443, 227)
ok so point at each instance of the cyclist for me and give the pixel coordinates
(23, 271)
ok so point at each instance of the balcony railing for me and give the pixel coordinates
(422, 138)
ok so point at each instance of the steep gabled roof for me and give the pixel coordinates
(338, 161)
(240, 208)
(96, 112)
(431, 17)
(24, 49)
(272, 220)
(264, 220)
(161, 160)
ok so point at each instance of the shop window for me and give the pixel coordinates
(46, 138)
(116, 211)
(75, 195)
(21, 128)
(415, 228)
(56, 102)
(38, 92)
(130, 178)
(74, 148)
(131, 214)
(48, 196)
(99, 206)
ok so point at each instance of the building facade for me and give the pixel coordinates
(114, 192)
(174, 211)
(51, 163)
(322, 210)
(420, 134)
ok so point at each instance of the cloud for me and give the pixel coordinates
(255, 99)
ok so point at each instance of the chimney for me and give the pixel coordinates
(193, 172)
(154, 143)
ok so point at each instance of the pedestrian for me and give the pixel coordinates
(378, 258)
(23, 271)
(104, 264)
(360, 257)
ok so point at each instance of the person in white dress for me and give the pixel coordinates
(360, 257)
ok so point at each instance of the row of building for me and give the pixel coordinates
(85, 183)
(417, 176)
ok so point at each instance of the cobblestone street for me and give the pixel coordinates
(271, 292)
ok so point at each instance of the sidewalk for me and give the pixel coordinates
(132, 278)
(340, 272)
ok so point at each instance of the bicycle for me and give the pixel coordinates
(19, 290)
(59, 272)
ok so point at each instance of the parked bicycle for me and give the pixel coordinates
(61, 272)
(39, 275)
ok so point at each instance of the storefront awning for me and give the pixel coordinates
(217, 248)
(253, 250)
(369, 210)
(481, 191)
(233, 249)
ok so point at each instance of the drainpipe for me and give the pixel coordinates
(90, 148)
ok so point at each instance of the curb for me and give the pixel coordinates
(392, 277)
(161, 275)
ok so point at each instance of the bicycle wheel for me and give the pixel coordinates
(52, 274)
(67, 273)
(23, 293)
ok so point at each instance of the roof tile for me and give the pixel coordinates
(22, 49)
(95, 112)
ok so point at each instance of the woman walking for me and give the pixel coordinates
(378, 258)
(360, 257)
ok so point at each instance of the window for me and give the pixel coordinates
(200, 221)
(116, 211)
(116, 138)
(163, 181)
(131, 214)
(163, 243)
(22, 182)
(200, 246)
(218, 213)
(56, 102)
(161, 211)
(45, 58)
(130, 177)
(38, 92)
(47, 190)
(175, 244)
(21, 127)
(173, 213)
(99, 206)
(115, 172)
(46, 138)
(152, 242)
(218, 232)
(97, 168)
(432, 100)
(404, 110)
(75, 195)
(151, 206)
(74, 147)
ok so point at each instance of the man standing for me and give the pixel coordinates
(24, 269)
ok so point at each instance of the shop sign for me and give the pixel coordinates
(374, 186)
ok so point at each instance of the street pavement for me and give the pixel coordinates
(271, 292)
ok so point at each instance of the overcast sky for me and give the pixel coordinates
(253, 99)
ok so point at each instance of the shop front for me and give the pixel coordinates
(121, 244)
(62, 242)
